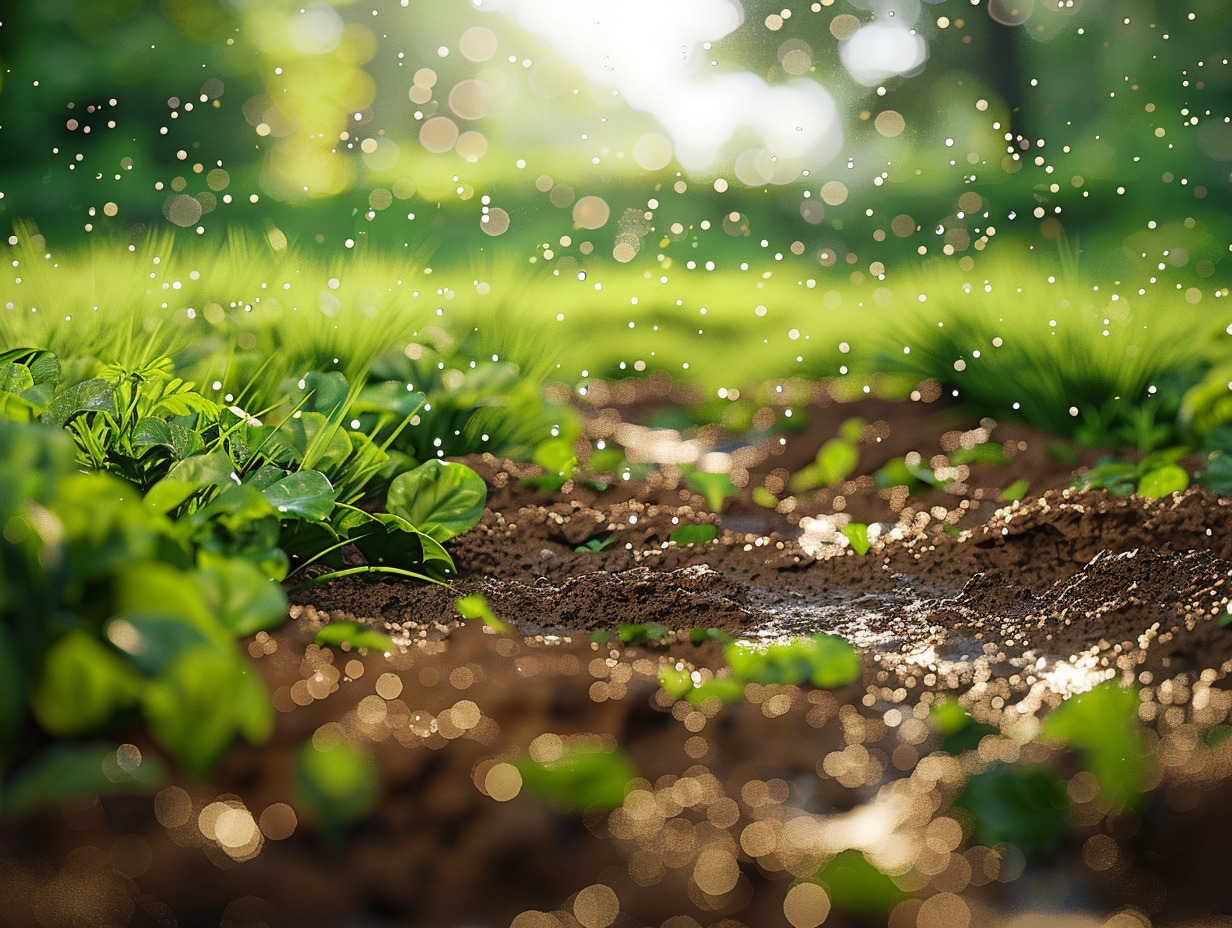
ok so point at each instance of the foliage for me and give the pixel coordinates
(356, 634)
(475, 606)
(959, 732)
(1023, 806)
(1157, 474)
(585, 777)
(337, 782)
(124, 588)
(641, 633)
(1016, 490)
(858, 887)
(694, 534)
(821, 660)
(857, 534)
(115, 616)
(713, 487)
(1103, 725)
(836, 460)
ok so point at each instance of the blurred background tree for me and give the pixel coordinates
(398, 124)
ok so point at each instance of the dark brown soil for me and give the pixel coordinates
(1010, 607)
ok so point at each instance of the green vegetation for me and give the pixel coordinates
(584, 777)
(825, 661)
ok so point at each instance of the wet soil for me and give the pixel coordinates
(1009, 607)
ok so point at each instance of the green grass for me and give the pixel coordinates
(1017, 334)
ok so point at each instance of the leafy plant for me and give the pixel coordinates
(1019, 805)
(713, 487)
(595, 544)
(1157, 474)
(1103, 725)
(857, 534)
(836, 460)
(856, 886)
(641, 632)
(356, 634)
(586, 776)
(824, 661)
(475, 606)
(694, 534)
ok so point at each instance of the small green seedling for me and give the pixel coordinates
(586, 777)
(857, 534)
(354, 633)
(714, 487)
(641, 632)
(694, 534)
(475, 606)
(1015, 491)
(1156, 475)
(595, 544)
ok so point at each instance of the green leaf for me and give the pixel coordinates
(694, 534)
(151, 432)
(990, 452)
(152, 641)
(641, 632)
(1022, 806)
(475, 606)
(189, 476)
(825, 661)
(958, 730)
(441, 499)
(306, 494)
(69, 769)
(202, 702)
(714, 487)
(87, 396)
(1103, 725)
(1218, 476)
(595, 544)
(1016, 490)
(699, 636)
(240, 596)
(556, 457)
(857, 534)
(337, 781)
(1163, 481)
(355, 633)
(390, 541)
(15, 378)
(585, 777)
(836, 460)
(83, 685)
(309, 440)
(857, 887)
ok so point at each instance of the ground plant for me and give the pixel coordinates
(718, 466)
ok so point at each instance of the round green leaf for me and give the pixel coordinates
(306, 494)
(1163, 481)
(440, 498)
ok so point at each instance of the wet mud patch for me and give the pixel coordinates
(972, 621)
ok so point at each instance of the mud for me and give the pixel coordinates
(1008, 607)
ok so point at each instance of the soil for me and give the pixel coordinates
(1009, 607)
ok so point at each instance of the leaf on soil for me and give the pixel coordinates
(475, 606)
(584, 777)
(857, 887)
(1103, 725)
(857, 534)
(441, 499)
(357, 634)
(1023, 806)
(694, 534)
